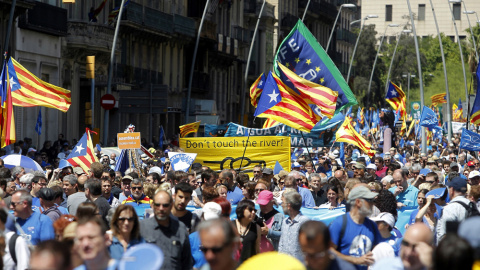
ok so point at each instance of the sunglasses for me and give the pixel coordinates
(214, 250)
(259, 189)
(256, 171)
(281, 183)
(368, 200)
(165, 205)
(14, 203)
(136, 188)
(130, 219)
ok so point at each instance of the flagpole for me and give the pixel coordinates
(308, 151)
(306, 9)
(110, 73)
(192, 67)
(419, 64)
(393, 57)
(242, 96)
(9, 26)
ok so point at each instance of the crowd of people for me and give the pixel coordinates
(71, 219)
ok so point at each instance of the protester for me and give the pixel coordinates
(333, 200)
(50, 254)
(183, 195)
(76, 198)
(93, 192)
(405, 194)
(270, 221)
(125, 231)
(248, 230)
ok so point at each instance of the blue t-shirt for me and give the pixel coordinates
(197, 255)
(358, 239)
(37, 228)
(394, 242)
(111, 266)
(234, 196)
(408, 197)
(116, 248)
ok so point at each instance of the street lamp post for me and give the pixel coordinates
(449, 113)
(466, 12)
(419, 64)
(356, 43)
(376, 56)
(408, 86)
(335, 23)
(393, 57)
(461, 53)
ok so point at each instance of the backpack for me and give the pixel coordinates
(471, 208)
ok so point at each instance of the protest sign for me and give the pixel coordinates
(226, 152)
(129, 140)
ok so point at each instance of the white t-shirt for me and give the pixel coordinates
(22, 253)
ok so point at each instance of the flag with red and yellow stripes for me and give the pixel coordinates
(83, 155)
(270, 123)
(256, 89)
(346, 133)
(396, 98)
(7, 119)
(29, 91)
(439, 99)
(189, 128)
(280, 103)
(315, 94)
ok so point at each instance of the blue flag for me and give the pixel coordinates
(349, 111)
(122, 162)
(470, 140)
(277, 168)
(429, 119)
(342, 154)
(475, 112)
(38, 126)
(161, 134)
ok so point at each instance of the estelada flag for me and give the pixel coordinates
(346, 133)
(256, 89)
(189, 128)
(83, 155)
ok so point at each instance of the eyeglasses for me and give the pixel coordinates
(130, 219)
(368, 200)
(407, 244)
(259, 189)
(298, 179)
(136, 188)
(43, 184)
(214, 250)
(165, 205)
(256, 171)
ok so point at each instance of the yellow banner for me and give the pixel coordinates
(226, 152)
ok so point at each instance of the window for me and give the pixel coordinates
(457, 11)
(421, 12)
(388, 13)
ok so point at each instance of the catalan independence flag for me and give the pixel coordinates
(280, 103)
(301, 52)
(29, 91)
(270, 123)
(83, 154)
(439, 99)
(256, 89)
(346, 133)
(396, 98)
(189, 128)
(458, 112)
(313, 93)
(113, 14)
(6, 117)
(475, 113)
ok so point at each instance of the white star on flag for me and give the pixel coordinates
(260, 83)
(394, 93)
(12, 82)
(79, 148)
(273, 96)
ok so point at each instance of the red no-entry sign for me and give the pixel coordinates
(107, 101)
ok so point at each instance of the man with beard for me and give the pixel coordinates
(183, 195)
(168, 233)
(353, 234)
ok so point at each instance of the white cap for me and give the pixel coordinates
(372, 166)
(155, 169)
(385, 217)
(473, 174)
(211, 210)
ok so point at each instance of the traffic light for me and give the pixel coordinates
(88, 113)
(90, 67)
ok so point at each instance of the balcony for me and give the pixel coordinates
(82, 34)
(46, 19)
(252, 8)
(347, 36)
(209, 29)
(288, 21)
(242, 34)
(319, 9)
(200, 82)
(147, 19)
(184, 26)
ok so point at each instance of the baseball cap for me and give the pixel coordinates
(155, 169)
(453, 164)
(295, 165)
(458, 184)
(425, 171)
(264, 197)
(359, 165)
(78, 170)
(361, 192)
(385, 217)
(470, 164)
(370, 166)
(31, 150)
(267, 171)
(436, 193)
(46, 194)
(212, 210)
(473, 174)
(127, 178)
